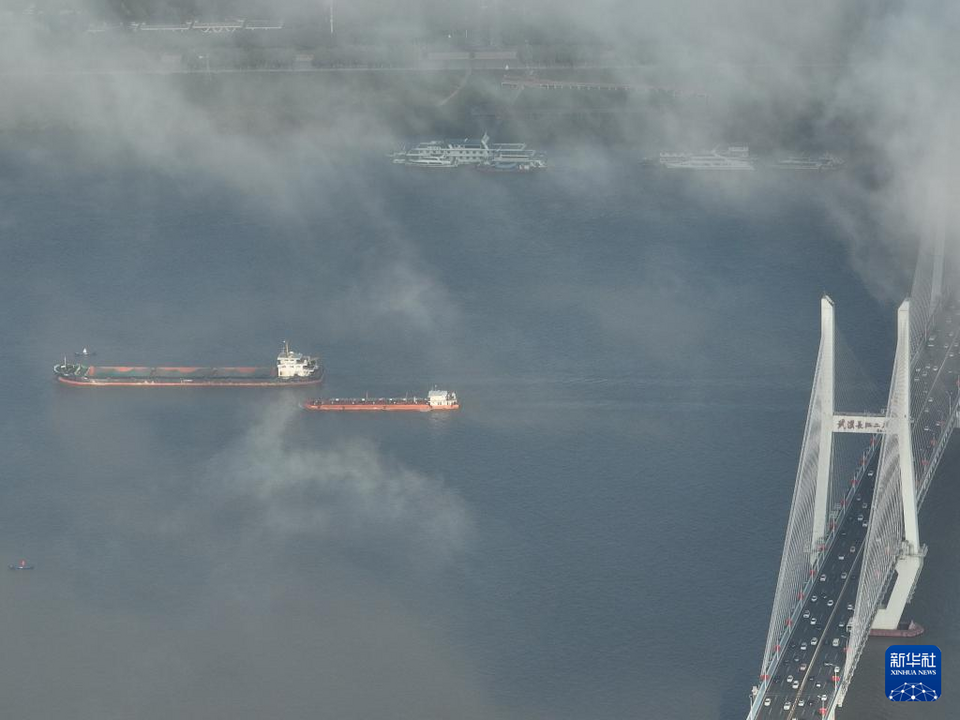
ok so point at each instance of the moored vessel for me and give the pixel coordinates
(517, 161)
(436, 399)
(426, 159)
(805, 162)
(292, 368)
(511, 157)
(735, 157)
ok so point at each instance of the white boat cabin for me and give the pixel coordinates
(293, 364)
(441, 398)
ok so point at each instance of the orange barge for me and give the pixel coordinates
(435, 400)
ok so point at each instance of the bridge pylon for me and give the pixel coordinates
(911, 553)
(892, 552)
(826, 377)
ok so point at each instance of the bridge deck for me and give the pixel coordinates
(816, 668)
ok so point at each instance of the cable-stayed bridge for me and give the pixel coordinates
(852, 554)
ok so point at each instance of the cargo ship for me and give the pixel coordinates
(435, 400)
(292, 368)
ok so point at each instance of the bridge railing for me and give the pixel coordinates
(938, 451)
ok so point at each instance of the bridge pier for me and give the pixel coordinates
(908, 568)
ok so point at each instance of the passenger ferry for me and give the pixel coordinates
(735, 157)
(454, 153)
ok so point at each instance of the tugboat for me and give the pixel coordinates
(21, 565)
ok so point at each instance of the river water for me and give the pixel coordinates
(596, 534)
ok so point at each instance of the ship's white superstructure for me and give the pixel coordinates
(440, 399)
(293, 364)
(735, 157)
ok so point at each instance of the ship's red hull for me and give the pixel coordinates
(189, 383)
(366, 406)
